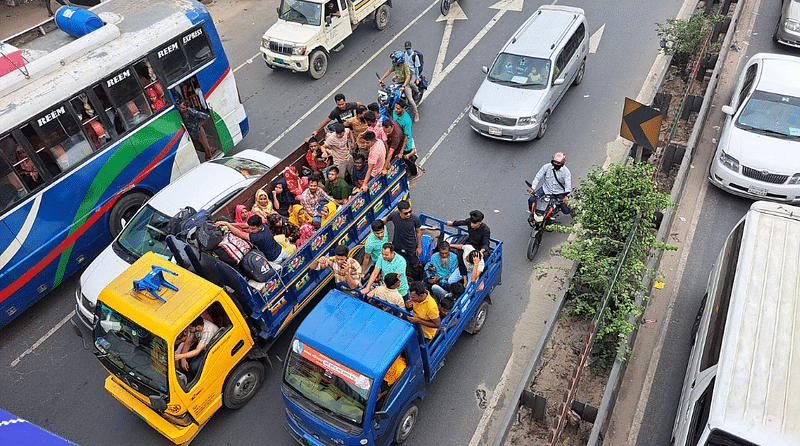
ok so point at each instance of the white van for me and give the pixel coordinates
(742, 385)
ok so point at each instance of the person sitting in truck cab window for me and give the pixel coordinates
(202, 331)
(392, 375)
(332, 9)
(426, 312)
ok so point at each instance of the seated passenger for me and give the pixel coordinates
(473, 259)
(388, 292)
(425, 310)
(27, 170)
(346, 270)
(442, 269)
(390, 262)
(336, 187)
(300, 218)
(202, 330)
(262, 205)
(374, 243)
(281, 226)
(259, 235)
(155, 102)
(360, 169)
(282, 199)
(328, 211)
(316, 157)
(314, 199)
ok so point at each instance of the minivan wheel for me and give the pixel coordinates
(543, 125)
(579, 77)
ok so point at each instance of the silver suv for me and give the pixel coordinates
(531, 74)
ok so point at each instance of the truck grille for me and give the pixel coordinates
(774, 178)
(280, 48)
(498, 120)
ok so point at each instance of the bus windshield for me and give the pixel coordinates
(300, 11)
(136, 353)
(146, 232)
(341, 391)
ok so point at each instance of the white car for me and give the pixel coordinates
(208, 186)
(758, 155)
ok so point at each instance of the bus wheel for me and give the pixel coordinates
(317, 64)
(124, 210)
(478, 321)
(242, 384)
(407, 423)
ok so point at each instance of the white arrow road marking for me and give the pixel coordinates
(508, 5)
(456, 13)
(594, 41)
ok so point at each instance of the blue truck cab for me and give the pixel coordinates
(355, 373)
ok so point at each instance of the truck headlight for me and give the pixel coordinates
(527, 120)
(265, 42)
(728, 161)
(474, 111)
(298, 50)
(182, 420)
(791, 25)
(795, 179)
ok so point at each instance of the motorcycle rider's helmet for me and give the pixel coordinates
(397, 58)
(559, 158)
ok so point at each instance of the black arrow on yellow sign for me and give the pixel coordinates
(640, 124)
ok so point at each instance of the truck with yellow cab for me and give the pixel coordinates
(137, 324)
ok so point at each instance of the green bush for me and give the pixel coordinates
(605, 210)
(683, 39)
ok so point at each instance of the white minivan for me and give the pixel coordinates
(207, 186)
(742, 384)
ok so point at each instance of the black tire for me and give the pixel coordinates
(533, 246)
(122, 212)
(775, 34)
(444, 7)
(382, 17)
(543, 125)
(317, 64)
(242, 384)
(581, 72)
(406, 424)
(479, 320)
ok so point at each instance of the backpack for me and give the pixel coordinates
(418, 57)
(174, 224)
(428, 245)
(194, 220)
(254, 265)
(232, 249)
(206, 236)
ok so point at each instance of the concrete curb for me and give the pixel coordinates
(618, 370)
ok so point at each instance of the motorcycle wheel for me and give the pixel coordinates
(533, 246)
(444, 7)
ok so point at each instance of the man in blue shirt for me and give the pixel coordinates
(259, 235)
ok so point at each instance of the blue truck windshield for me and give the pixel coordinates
(136, 353)
(339, 390)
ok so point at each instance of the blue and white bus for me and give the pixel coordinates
(89, 129)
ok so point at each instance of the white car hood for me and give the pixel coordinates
(103, 269)
(763, 152)
(502, 100)
(293, 33)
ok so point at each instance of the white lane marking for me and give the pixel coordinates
(508, 5)
(42, 339)
(444, 135)
(347, 79)
(248, 61)
(594, 41)
(456, 13)
(16, 243)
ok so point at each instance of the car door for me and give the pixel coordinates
(339, 28)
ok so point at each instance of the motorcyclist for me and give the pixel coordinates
(556, 180)
(402, 75)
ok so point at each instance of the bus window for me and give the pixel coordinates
(152, 87)
(197, 47)
(60, 139)
(22, 164)
(12, 188)
(173, 61)
(90, 120)
(109, 110)
(125, 92)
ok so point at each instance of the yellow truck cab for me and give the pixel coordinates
(139, 355)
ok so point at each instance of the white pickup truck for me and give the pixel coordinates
(308, 30)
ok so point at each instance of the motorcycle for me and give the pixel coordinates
(389, 94)
(544, 209)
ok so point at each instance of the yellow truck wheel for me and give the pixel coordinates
(242, 384)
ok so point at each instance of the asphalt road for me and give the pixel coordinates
(59, 386)
(720, 213)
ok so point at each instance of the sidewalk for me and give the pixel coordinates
(625, 423)
(15, 19)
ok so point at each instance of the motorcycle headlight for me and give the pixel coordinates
(538, 218)
(728, 161)
(298, 50)
(791, 25)
(527, 120)
(474, 111)
(795, 179)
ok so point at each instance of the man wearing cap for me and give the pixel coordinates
(413, 63)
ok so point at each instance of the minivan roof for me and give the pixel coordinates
(758, 375)
(776, 73)
(552, 21)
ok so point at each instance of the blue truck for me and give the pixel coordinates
(355, 373)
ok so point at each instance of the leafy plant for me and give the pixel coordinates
(683, 39)
(606, 206)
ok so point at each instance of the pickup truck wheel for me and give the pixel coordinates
(407, 423)
(478, 321)
(317, 64)
(124, 210)
(242, 384)
(382, 17)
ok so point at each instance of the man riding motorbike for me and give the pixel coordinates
(402, 75)
(556, 180)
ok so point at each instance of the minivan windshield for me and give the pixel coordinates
(299, 11)
(339, 390)
(771, 113)
(520, 71)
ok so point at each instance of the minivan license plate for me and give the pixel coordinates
(494, 131)
(755, 190)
